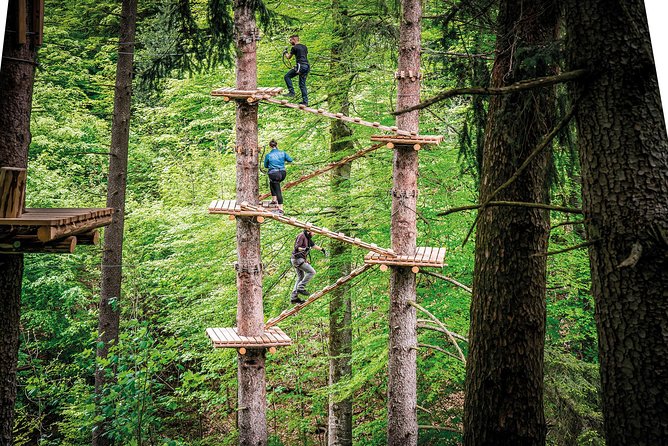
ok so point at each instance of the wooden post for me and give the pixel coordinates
(251, 416)
(402, 367)
(31, 244)
(12, 191)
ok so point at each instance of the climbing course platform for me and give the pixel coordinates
(317, 295)
(56, 230)
(231, 207)
(229, 338)
(424, 256)
(417, 141)
(229, 93)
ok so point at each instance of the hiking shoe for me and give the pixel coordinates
(273, 202)
(304, 103)
(304, 292)
(289, 94)
(297, 301)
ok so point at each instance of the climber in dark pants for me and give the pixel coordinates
(275, 161)
(305, 272)
(301, 68)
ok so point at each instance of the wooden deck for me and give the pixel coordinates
(229, 338)
(231, 207)
(56, 223)
(417, 141)
(228, 93)
(424, 256)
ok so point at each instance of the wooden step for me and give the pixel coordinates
(228, 93)
(230, 338)
(55, 223)
(230, 207)
(417, 141)
(424, 256)
(317, 295)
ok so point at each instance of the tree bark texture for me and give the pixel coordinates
(340, 419)
(402, 427)
(624, 166)
(16, 86)
(112, 255)
(504, 380)
(250, 315)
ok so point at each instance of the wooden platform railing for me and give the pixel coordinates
(318, 230)
(339, 116)
(317, 295)
(328, 167)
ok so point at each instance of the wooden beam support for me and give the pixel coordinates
(89, 238)
(48, 233)
(12, 191)
(31, 244)
(22, 25)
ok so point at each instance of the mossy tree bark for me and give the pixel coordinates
(16, 86)
(112, 257)
(504, 380)
(252, 409)
(340, 419)
(624, 167)
(402, 427)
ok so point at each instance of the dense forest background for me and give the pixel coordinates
(173, 388)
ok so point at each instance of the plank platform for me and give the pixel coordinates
(56, 223)
(228, 93)
(424, 256)
(339, 116)
(417, 141)
(317, 295)
(229, 338)
(231, 207)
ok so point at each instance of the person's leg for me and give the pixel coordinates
(275, 188)
(302, 86)
(279, 192)
(309, 272)
(300, 276)
(288, 81)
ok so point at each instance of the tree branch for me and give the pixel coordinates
(567, 222)
(633, 258)
(440, 349)
(448, 279)
(440, 324)
(570, 248)
(424, 323)
(528, 84)
(515, 204)
(440, 428)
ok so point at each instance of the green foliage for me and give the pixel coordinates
(172, 388)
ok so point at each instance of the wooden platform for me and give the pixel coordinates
(424, 256)
(228, 93)
(56, 223)
(229, 338)
(230, 207)
(417, 141)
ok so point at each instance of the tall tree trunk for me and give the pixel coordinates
(402, 383)
(340, 431)
(250, 315)
(504, 381)
(624, 166)
(112, 257)
(16, 85)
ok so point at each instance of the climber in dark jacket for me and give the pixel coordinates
(305, 272)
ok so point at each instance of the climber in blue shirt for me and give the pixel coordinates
(274, 161)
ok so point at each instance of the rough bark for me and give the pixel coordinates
(624, 167)
(16, 87)
(112, 257)
(340, 420)
(250, 315)
(402, 428)
(504, 381)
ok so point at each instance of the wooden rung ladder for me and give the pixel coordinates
(317, 295)
(318, 230)
(327, 168)
(339, 116)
